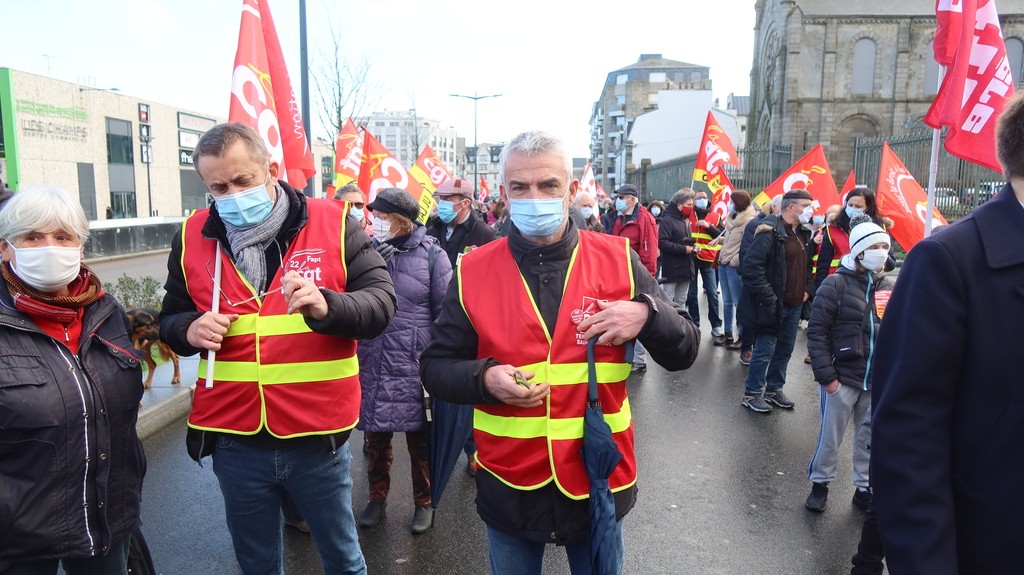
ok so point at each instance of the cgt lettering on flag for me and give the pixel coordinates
(988, 52)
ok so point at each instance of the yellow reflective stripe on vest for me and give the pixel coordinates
(283, 372)
(576, 373)
(251, 323)
(554, 429)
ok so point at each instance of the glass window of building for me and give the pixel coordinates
(863, 67)
(1015, 54)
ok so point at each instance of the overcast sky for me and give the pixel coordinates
(548, 58)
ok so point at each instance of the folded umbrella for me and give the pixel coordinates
(448, 427)
(600, 457)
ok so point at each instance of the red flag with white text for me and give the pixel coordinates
(902, 199)
(380, 170)
(716, 150)
(976, 87)
(262, 97)
(721, 192)
(587, 183)
(810, 173)
(348, 154)
(485, 190)
(430, 172)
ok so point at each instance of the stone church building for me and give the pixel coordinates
(830, 71)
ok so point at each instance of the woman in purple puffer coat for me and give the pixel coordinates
(389, 363)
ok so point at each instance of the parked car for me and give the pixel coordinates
(982, 193)
(946, 199)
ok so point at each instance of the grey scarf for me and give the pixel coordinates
(249, 245)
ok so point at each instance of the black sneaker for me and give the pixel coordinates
(756, 403)
(779, 399)
(818, 498)
(862, 499)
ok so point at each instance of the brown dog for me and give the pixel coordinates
(146, 333)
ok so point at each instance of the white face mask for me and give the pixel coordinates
(874, 260)
(49, 268)
(357, 213)
(805, 216)
(381, 229)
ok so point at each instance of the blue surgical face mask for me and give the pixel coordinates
(702, 203)
(536, 218)
(446, 211)
(732, 207)
(246, 208)
(655, 211)
(818, 220)
(852, 212)
(356, 213)
(620, 205)
(587, 212)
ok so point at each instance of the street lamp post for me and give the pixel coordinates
(476, 146)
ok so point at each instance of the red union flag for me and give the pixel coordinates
(810, 173)
(721, 190)
(950, 14)
(485, 190)
(348, 154)
(588, 184)
(380, 170)
(262, 97)
(976, 87)
(716, 150)
(430, 172)
(851, 183)
(901, 198)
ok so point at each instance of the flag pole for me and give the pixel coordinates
(211, 355)
(933, 168)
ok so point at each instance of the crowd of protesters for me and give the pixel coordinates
(398, 309)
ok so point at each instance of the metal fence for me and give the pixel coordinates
(960, 186)
(759, 166)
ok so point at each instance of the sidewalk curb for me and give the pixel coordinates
(163, 413)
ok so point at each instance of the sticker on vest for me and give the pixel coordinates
(588, 308)
(307, 264)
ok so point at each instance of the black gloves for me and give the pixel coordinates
(386, 251)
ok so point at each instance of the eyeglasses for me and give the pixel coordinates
(260, 296)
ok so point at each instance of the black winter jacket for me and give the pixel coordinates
(451, 372)
(674, 236)
(472, 232)
(361, 312)
(843, 298)
(71, 463)
(763, 269)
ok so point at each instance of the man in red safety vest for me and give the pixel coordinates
(523, 307)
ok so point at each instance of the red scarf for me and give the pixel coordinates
(59, 316)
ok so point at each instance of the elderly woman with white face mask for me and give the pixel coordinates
(71, 462)
(841, 333)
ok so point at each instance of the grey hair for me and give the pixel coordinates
(350, 188)
(584, 196)
(682, 196)
(44, 209)
(216, 141)
(777, 203)
(786, 203)
(532, 144)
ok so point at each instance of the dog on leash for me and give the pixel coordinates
(146, 336)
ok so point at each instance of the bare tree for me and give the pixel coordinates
(343, 85)
(418, 132)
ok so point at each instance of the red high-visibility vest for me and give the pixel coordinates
(272, 371)
(702, 239)
(840, 241)
(528, 448)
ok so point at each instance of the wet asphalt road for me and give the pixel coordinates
(721, 492)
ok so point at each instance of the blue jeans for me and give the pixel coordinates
(511, 555)
(254, 481)
(710, 279)
(731, 286)
(115, 562)
(771, 355)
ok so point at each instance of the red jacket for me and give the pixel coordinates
(642, 233)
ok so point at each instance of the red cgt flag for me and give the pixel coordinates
(901, 198)
(430, 172)
(379, 169)
(977, 86)
(348, 154)
(851, 183)
(810, 173)
(262, 97)
(588, 184)
(716, 150)
(721, 189)
(485, 190)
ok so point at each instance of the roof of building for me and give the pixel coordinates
(656, 61)
(739, 103)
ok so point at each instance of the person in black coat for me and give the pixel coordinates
(458, 227)
(748, 334)
(675, 242)
(777, 280)
(947, 456)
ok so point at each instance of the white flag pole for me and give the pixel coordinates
(211, 355)
(933, 168)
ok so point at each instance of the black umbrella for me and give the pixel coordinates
(600, 456)
(448, 427)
